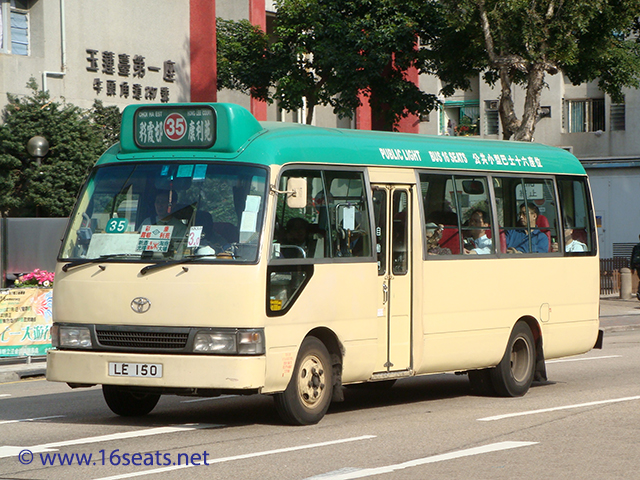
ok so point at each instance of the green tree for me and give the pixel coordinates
(47, 189)
(518, 42)
(108, 120)
(328, 52)
(244, 59)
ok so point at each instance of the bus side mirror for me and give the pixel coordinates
(296, 192)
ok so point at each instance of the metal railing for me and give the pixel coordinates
(610, 274)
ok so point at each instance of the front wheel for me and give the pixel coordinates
(514, 374)
(127, 403)
(308, 395)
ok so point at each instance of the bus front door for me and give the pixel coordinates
(392, 210)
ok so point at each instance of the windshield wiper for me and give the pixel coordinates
(179, 261)
(84, 261)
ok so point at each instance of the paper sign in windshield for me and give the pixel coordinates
(154, 238)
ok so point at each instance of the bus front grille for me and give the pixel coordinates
(146, 339)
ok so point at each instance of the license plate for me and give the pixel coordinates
(147, 370)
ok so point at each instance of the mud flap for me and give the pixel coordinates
(600, 339)
(338, 392)
(540, 374)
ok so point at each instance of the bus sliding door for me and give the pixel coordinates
(392, 210)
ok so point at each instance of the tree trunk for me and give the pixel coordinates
(535, 84)
(310, 109)
(508, 117)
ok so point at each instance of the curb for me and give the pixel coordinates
(19, 374)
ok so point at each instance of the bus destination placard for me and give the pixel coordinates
(175, 127)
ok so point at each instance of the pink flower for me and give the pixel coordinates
(37, 278)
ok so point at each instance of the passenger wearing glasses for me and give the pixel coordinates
(518, 239)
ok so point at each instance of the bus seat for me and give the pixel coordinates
(503, 241)
(450, 239)
(450, 235)
(227, 230)
(543, 225)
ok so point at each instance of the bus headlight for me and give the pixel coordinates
(230, 342)
(70, 336)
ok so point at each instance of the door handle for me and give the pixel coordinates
(385, 293)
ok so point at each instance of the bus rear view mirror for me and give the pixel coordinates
(172, 183)
(473, 187)
(296, 192)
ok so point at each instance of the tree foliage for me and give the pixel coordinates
(518, 42)
(107, 120)
(49, 189)
(329, 52)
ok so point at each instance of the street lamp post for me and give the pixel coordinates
(38, 147)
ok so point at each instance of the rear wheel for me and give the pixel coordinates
(127, 403)
(308, 395)
(514, 374)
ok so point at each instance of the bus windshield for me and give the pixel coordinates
(157, 212)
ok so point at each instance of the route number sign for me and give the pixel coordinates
(162, 127)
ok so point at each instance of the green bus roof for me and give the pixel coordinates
(223, 131)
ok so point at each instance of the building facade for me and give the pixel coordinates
(153, 51)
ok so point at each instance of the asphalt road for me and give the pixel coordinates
(583, 423)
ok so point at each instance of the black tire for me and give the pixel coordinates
(512, 377)
(308, 395)
(481, 383)
(127, 403)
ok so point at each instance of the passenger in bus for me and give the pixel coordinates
(480, 243)
(570, 243)
(517, 240)
(433, 233)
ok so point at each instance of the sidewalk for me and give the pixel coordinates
(13, 369)
(616, 315)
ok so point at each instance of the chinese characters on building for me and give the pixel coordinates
(129, 76)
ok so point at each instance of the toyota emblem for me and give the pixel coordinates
(140, 305)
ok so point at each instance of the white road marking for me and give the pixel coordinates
(554, 409)
(560, 360)
(12, 451)
(30, 419)
(239, 457)
(5, 394)
(369, 472)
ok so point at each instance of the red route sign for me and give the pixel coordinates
(175, 126)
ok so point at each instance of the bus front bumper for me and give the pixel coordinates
(178, 371)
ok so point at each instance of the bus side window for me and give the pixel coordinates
(477, 218)
(528, 209)
(348, 214)
(441, 214)
(334, 222)
(452, 204)
(576, 211)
